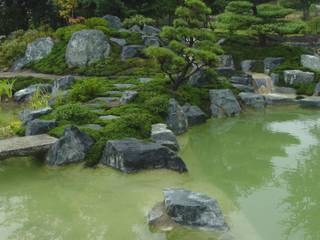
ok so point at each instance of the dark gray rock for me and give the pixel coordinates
(317, 90)
(113, 21)
(253, 100)
(131, 51)
(177, 120)
(62, 84)
(151, 41)
(194, 115)
(29, 115)
(71, 148)
(36, 50)
(86, 47)
(164, 136)
(132, 155)
(119, 41)
(243, 79)
(136, 28)
(226, 71)
(275, 78)
(311, 61)
(293, 77)
(248, 65)
(24, 95)
(37, 126)
(194, 209)
(223, 103)
(271, 63)
(150, 30)
(128, 96)
(310, 102)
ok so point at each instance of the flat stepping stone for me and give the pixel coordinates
(25, 146)
(108, 117)
(109, 101)
(279, 99)
(124, 85)
(96, 127)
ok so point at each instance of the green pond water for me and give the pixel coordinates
(262, 167)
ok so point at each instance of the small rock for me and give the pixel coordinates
(150, 30)
(29, 115)
(113, 21)
(124, 85)
(311, 61)
(128, 96)
(194, 114)
(271, 63)
(177, 120)
(108, 117)
(145, 80)
(135, 28)
(71, 148)
(133, 155)
(119, 41)
(95, 127)
(244, 80)
(151, 41)
(164, 136)
(37, 126)
(62, 84)
(223, 103)
(113, 93)
(226, 61)
(253, 100)
(131, 51)
(24, 95)
(293, 77)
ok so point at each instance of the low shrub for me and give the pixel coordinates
(65, 33)
(139, 20)
(87, 89)
(23, 82)
(95, 22)
(74, 113)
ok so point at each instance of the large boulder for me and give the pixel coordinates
(311, 61)
(25, 94)
(28, 115)
(86, 47)
(71, 148)
(194, 115)
(271, 63)
(131, 51)
(36, 50)
(177, 120)
(164, 136)
(253, 100)
(194, 209)
(132, 155)
(113, 21)
(37, 126)
(294, 77)
(223, 103)
(62, 84)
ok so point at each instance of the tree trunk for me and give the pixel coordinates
(262, 40)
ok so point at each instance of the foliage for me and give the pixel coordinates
(314, 25)
(190, 45)
(87, 89)
(74, 113)
(139, 20)
(66, 8)
(65, 33)
(6, 89)
(23, 82)
(10, 130)
(95, 22)
(39, 99)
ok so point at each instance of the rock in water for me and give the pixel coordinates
(36, 50)
(223, 103)
(86, 47)
(311, 61)
(164, 136)
(177, 120)
(71, 148)
(194, 114)
(194, 209)
(37, 126)
(253, 100)
(113, 21)
(132, 155)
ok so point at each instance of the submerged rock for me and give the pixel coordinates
(253, 100)
(71, 148)
(194, 115)
(223, 103)
(177, 120)
(86, 47)
(164, 136)
(132, 155)
(190, 209)
(37, 126)
(25, 94)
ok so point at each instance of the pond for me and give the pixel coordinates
(263, 168)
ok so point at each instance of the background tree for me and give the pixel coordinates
(189, 44)
(305, 5)
(67, 8)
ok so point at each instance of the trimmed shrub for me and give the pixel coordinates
(74, 113)
(87, 89)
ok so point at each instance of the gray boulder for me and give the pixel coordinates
(131, 51)
(194, 115)
(164, 136)
(136, 28)
(36, 51)
(248, 65)
(271, 63)
(151, 41)
(25, 94)
(108, 117)
(29, 115)
(223, 103)
(194, 209)
(128, 96)
(226, 61)
(243, 79)
(150, 30)
(293, 77)
(86, 47)
(132, 155)
(62, 84)
(113, 21)
(177, 120)
(310, 102)
(311, 61)
(317, 90)
(71, 148)
(37, 126)
(279, 99)
(253, 100)
(119, 41)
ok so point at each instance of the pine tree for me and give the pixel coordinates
(190, 44)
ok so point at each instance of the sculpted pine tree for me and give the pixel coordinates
(190, 44)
